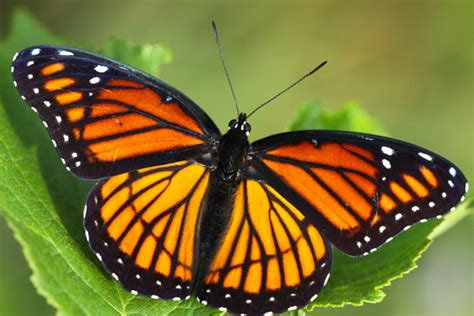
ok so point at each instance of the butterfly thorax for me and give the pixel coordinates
(233, 149)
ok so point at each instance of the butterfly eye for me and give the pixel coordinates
(232, 124)
(247, 129)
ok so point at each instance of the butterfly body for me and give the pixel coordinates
(180, 210)
(231, 157)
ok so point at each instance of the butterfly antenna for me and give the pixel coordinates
(221, 55)
(288, 88)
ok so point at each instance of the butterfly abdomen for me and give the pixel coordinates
(226, 177)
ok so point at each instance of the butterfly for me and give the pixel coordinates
(181, 210)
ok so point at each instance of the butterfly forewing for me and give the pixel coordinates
(142, 226)
(271, 258)
(106, 118)
(361, 190)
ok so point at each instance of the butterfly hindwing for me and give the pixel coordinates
(143, 225)
(359, 189)
(106, 118)
(271, 258)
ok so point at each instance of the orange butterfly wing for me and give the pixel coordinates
(360, 190)
(104, 121)
(271, 258)
(143, 225)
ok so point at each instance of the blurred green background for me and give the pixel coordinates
(410, 63)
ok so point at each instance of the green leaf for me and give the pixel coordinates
(146, 57)
(43, 204)
(350, 117)
(356, 281)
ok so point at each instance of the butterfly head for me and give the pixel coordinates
(240, 124)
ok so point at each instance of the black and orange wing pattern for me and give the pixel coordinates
(143, 226)
(106, 118)
(360, 190)
(271, 257)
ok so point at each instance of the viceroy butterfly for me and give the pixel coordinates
(181, 210)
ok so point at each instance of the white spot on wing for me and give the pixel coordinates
(367, 238)
(115, 276)
(227, 296)
(398, 216)
(15, 56)
(30, 63)
(155, 297)
(35, 51)
(30, 76)
(451, 183)
(65, 53)
(47, 103)
(382, 229)
(431, 204)
(36, 90)
(292, 308)
(452, 171)
(58, 119)
(386, 163)
(387, 150)
(415, 208)
(425, 156)
(98, 256)
(94, 80)
(101, 69)
(327, 279)
(134, 292)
